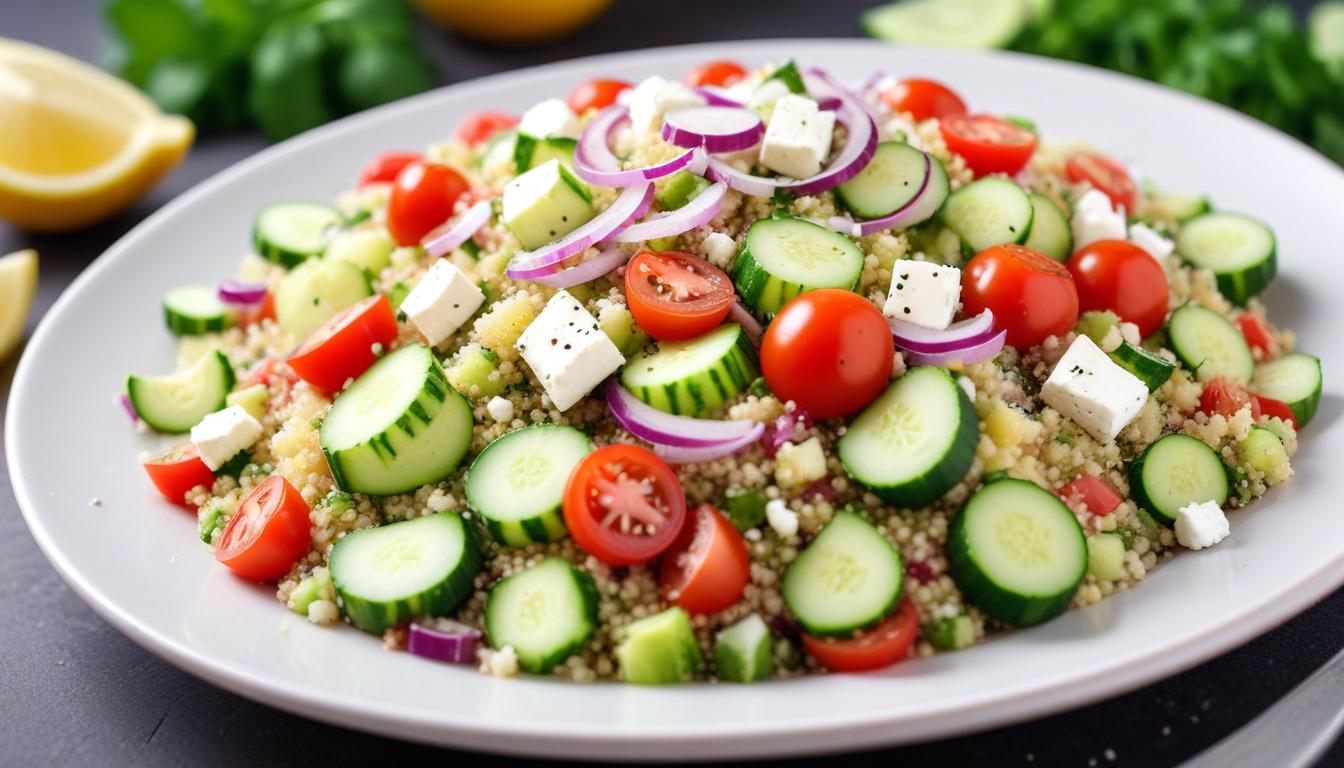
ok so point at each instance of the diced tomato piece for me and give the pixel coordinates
(177, 471)
(1259, 335)
(1276, 408)
(1092, 492)
(707, 567)
(479, 126)
(881, 646)
(269, 533)
(1105, 174)
(346, 345)
(384, 168)
(718, 73)
(1225, 397)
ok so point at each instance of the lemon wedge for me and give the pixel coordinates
(79, 144)
(513, 21)
(18, 283)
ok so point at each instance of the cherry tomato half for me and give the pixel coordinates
(1259, 336)
(881, 646)
(624, 505)
(1278, 409)
(707, 568)
(422, 198)
(989, 144)
(1120, 276)
(176, 471)
(479, 126)
(675, 295)
(343, 347)
(718, 73)
(384, 168)
(1105, 174)
(598, 93)
(1092, 492)
(829, 351)
(923, 98)
(1225, 397)
(269, 532)
(1032, 295)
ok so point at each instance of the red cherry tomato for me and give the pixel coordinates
(1105, 174)
(881, 646)
(675, 295)
(624, 505)
(176, 471)
(598, 93)
(269, 532)
(1032, 295)
(384, 168)
(829, 351)
(1226, 397)
(422, 198)
(719, 73)
(343, 347)
(1092, 492)
(707, 567)
(1259, 335)
(1278, 409)
(479, 126)
(1121, 277)
(989, 144)
(923, 99)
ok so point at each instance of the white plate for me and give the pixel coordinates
(136, 560)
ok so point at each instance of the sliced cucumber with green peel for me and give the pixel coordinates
(947, 23)
(1239, 250)
(848, 578)
(1175, 471)
(369, 249)
(1295, 379)
(742, 652)
(396, 572)
(1209, 344)
(397, 427)
(1016, 552)
(695, 376)
(289, 233)
(1262, 450)
(314, 291)
(1050, 231)
(1152, 369)
(530, 151)
(191, 310)
(659, 650)
(545, 613)
(783, 257)
(518, 482)
(173, 404)
(680, 188)
(915, 442)
(1176, 208)
(986, 212)
(890, 181)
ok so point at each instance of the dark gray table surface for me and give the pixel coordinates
(73, 691)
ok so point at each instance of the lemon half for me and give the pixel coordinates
(513, 21)
(18, 283)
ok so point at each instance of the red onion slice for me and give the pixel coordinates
(590, 269)
(449, 235)
(595, 163)
(958, 335)
(447, 641)
(529, 265)
(697, 213)
(717, 97)
(648, 423)
(717, 129)
(238, 293)
(129, 407)
(918, 209)
(676, 455)
(743, 317)
(975, 353)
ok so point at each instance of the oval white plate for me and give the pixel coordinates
(136, 560)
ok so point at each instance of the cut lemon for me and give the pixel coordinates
(18, 283)
(513, 21)
(79, 144)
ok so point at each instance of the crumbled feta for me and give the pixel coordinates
(1151, 241)
(719, 249)
(653, 97)
(551, 117)
(798, 137)
(439, 501)
(323, 612)
(1094, 219)
(1201, 524)
(797, 464)
(783, 520)
(222, 434)
(442, 301)
(567, 350)
(923, 293)
(1090, 388)
(500, 409)
(500, 663)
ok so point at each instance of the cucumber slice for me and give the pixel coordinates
(848, 578)
(1263, 450)
(679, 189)
(1050, 231)
(887, 183)
(175, 403)
(947, 23)
(951, 633)
(1175, 471)
(659, 650)
(1295, 379)
(1208, 344)
(518, 482)
(742, 652)
(1017, 552)
(397, 427)
(696, 376)
(986, 212)
(915, 442)
(369, 249)
(469, 371)
(530, 151)
(396, 572)
(191, 310)
(1176, 208)
(315, 291)
(289, 233)
(252, 399)
(545, 613)
(783, 257)
(1239, 250)
(1153, 370)
(1105, 556)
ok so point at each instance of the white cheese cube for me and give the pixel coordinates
(500, 409)
(923, 293)
(781, 518)
(222, 434)
(1094, 219)
(567, 350)
(652, 98)
(1090, 388)
(1201, 524)
(442, 301)
(798, 138)
(551, 117)
(1149, 240)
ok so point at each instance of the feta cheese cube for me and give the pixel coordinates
(442, 301)
(568, 351)
(782, 519)
(551, 117)
(1149, 240)
(1090, 388)
(799, 464)
(798, 138)
(1094, 219)
(500, 409)
(1200, 525)
(923, 293)
(718, 249)
(222, 434)
(653, 97)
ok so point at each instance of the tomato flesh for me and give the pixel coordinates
(717, 73)
(1092, 492)
(1225, 397)
(988, 144)
(923, 99)
(1032, 296)
(269, 533)
(479, 126)
(177, 471)
(384, 168)
(1278, 409)
(624, 505)
(598, 93)
(1259, 336)
(1121, 277)
(1104, 174)
(346, 345)
(707, 568)
(881, 646)
(675, 295)
(422, 198)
